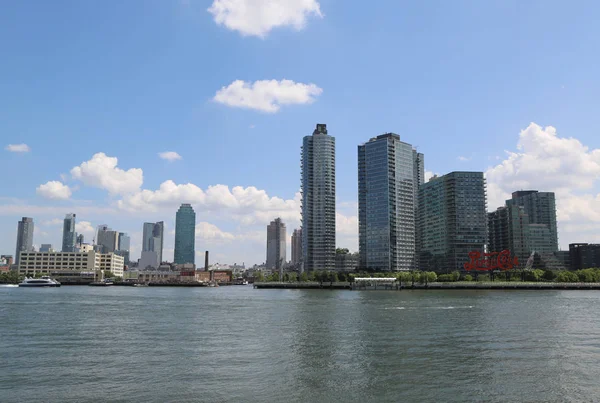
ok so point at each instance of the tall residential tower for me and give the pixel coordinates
(541, 209)
(185, 228)
(69, 235)
(389, 174)
(452, 220)
(318, 200)
(276, 241)
(24, 237)
(297, 247)
(153, 239)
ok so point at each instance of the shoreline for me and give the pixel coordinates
(496, 285)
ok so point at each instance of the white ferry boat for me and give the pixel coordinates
(45, 281)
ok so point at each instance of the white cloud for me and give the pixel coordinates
(52, 222)
(463, 159)
(54, 190)
(169, 156)
(267, 95)
(429, 175)
(248, 205)
(210, 232)
(546, 162)
(87, 229)
(101, 171)
(18, 148)
(259, 17)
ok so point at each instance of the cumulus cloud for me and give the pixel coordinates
(169, 156)
(545, 161)
(463, 159)
(267, 95)
(429, 175)
(210, 232)
(102, 172)
(18, 148)
(54, 190)
(52, 222)
(87, 229)
(259, 17)
(247, 204)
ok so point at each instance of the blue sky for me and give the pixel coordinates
(462, 80)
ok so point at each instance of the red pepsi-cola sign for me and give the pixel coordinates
(491, 261)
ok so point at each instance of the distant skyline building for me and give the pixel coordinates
(24, 237)
(80, 240)
(69, 237)
(46, 247)
(185, 234)
(107, 239)
(389, 174)
(276, 242)
(318, 200)
(541, 209)
(123, 246)
(152, 238)
(297, 246)
(452, 220)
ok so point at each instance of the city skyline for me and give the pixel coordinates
(469, 95)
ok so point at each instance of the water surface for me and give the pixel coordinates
(237, 344)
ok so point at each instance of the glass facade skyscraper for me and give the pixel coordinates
(389, 175)
(69, 235)
(452, 220)
(185, 228)
(541, 209)
(318, 200)
(153, 238)
(24, 237)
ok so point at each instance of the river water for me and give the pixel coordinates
(237, 344)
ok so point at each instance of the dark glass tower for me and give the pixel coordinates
(185, 227)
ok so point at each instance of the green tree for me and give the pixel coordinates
(431, 277)
(549, 275)
(108, 274)
(304, 277)
(564, 276)
(342, 276)
(455, 275)
(468, 277)
(259, 277)
(342, 251)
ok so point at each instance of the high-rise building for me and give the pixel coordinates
(318, 200)
(276, 241)
(508, 228)
(452, 220)
(389, 174)
(24, 237)
(541, 209)
(69, 235)
(152, 240)
(46, 247)
(123, 247)
(80, 240)
(185, 228)
(107, 239)
(297, 246)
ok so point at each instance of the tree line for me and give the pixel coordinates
(424, 277)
